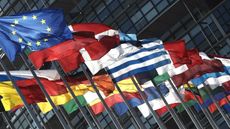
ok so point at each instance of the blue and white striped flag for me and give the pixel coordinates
(213, 79)
(149, 57)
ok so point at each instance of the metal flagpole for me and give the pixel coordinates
(194, 19)
(154, 114)
(38, 114)
(133, 113)
(6, 117)
(226, 119)
(193, 118)
(172, 112)
(64, 114)
(205, 111)
(59, 116)
(28, 121)
(77, 101)
(109, 111)
(37, 123)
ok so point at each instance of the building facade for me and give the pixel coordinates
(203, 24)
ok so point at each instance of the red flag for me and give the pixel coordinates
(207, 66)
(194, 58)
(67, 53)
(52, 87)
(33, 95)
(227, 85)
(96, 28)
(178, 53)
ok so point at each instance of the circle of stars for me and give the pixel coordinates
(34, 17)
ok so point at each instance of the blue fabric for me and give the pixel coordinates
(121, 108)
(140, 60)
(36, 29)
(203, 78)
(127, 37)
(140, 70)
(149, 49)
(5, 78)
(152, 93)
(226, 107)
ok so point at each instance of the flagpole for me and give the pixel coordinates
(6, 117)
(28, 121)
(205, 111)
(64, 114)
(193, 118)
(56, 64)
(108, 110)
(226, 119)
(171, 111)
(133, 113)
(59, 116)
(38, 114)
(154, 114)
(37, 123)
(194, 19)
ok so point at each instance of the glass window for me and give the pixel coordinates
(162, 5)
(99, 7)
(126, 26)
(18, 6)
(141, 24)
(112, 6)
(186, 38)
(203, 46)
(198, 39)
(194, 31)
(156, 1)
(225, 50)
(151, 14)
(136, 17)
(104, 14)
(148, 6)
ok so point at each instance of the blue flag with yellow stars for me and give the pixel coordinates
(36, 29)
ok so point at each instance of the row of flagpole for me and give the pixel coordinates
(111, 114)
(206, 86)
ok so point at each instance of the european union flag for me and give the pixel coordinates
(36, 29)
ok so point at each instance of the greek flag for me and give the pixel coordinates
(149, 57)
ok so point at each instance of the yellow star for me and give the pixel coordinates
(29, 43)
(16, 22)
(13, 32)
(38, 43)
(45, 40)
(43, 21)
(34, 17)
(48, 29)
(24, 17)
(20, 40)
(12, 25)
